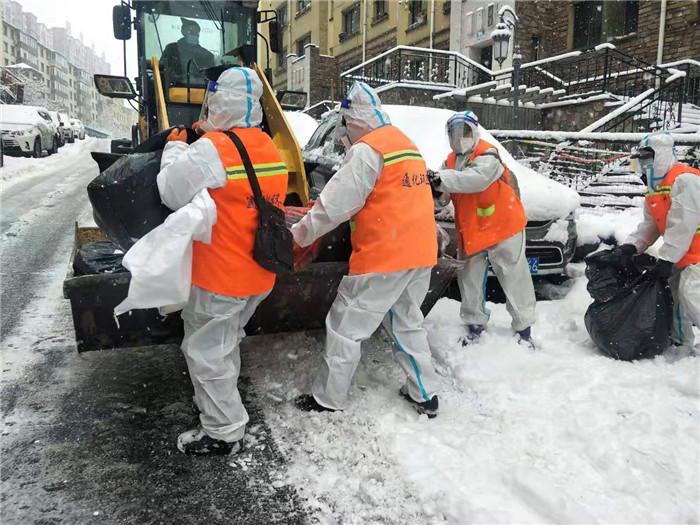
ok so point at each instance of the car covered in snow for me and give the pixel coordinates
(66, 129)
(78, 128)
(56, 119)
(551, 230)
(27, 130)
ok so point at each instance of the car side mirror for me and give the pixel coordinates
(275, 37)
(114, 87)
(121, 22)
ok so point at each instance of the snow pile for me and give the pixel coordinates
(560, 435)
(543, 198)
(26, 167)
(604, 224)
(303, 126)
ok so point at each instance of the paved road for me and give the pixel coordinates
(89, 438)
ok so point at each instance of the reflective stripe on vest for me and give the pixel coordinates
(487, 218)
(261, 170)
(395, 230)
(658, 204)
(226, 266)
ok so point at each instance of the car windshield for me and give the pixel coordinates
(191, 36)
(18, 115)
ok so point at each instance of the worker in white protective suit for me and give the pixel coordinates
(227, 283)
(382, 188)
(672, 211)
(490, 220)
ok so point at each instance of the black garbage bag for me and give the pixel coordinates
(632, 312)
(606, 273)
(98, 257)
(125, 201)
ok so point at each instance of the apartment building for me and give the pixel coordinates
(57, 65)
(323, 38)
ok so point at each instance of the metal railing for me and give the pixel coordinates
(596, 165)
(603, 69)
(404, 64)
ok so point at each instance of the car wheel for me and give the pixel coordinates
(54, 146)
(37, 151)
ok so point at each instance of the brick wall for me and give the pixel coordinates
(324, 79)
(550, 21)
(546, 20)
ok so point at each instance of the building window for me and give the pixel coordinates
(303, 6)
(301, 43)
(282, 60)
(282, 19)
(446, 7)
(536, 47)
(489, 14)
(598, 21)
(416, 12)
(351, 21)
(380, 11)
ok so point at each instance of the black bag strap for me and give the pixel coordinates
(250, 171)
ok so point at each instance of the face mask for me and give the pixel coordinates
(466, 144)
(192, 39)
(647, 168)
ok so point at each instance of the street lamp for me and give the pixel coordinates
(501, 38)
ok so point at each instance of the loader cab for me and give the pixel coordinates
(177, 42)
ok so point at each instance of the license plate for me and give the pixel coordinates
(534, 264)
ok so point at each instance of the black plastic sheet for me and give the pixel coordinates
(98, 257)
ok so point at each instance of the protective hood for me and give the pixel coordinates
(664, 157)
(233, 101)
(463, 132)
(362, 111)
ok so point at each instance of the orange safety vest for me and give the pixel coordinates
(659, 202)
(395, 230)
(486, 218)
(226, 266)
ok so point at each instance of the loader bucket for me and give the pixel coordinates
(298, 301)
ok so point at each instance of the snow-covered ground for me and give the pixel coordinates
(26, 167)
(560, 435)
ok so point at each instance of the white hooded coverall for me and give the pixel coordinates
(214, 323)
(507, 258)
(365, 301)
(682, 223)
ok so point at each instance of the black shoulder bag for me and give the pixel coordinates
(273, 240)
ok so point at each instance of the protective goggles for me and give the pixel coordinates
(643, 154)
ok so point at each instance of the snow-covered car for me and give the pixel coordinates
(551, 230)
(27, 130)
(60, 140)
(66, 129)
(78, 129)
(303, 126)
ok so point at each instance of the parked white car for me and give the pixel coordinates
(27, 130)
(60, 140)
(78, 128)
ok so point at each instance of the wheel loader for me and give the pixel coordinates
(169, 94)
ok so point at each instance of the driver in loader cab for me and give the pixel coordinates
(227, 283)
(382, 189)
(672, 211)
(177, 55)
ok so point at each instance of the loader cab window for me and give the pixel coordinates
(188, 37)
